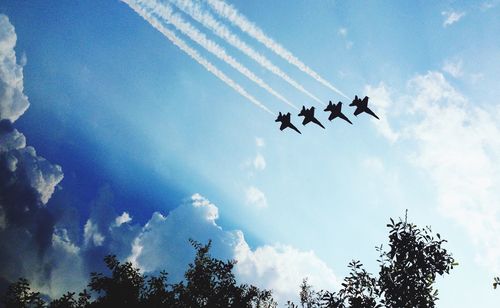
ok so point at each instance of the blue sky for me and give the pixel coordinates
(123, 110)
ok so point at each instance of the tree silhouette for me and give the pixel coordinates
(19, 295)
(406, 278)
(409, 269)
(209, 283)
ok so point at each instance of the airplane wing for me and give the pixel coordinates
(358, 111)
(368, 110)
(283, 126)
(294, 128)
(342, 116)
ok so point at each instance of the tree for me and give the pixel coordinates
(406, 276)
(409, 269)
(19, 295)
(209, 283)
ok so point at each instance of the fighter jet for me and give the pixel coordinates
(308, 115)
(336, 111)
(285, 122)
(362, 106)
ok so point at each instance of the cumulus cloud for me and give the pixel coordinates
(282, 268)
(163, 241)
(123, 218)
(457, 145)
(255, 197)
(55, 263)
(451, 17)
(163, 244)
(13, 102)
(27, 181)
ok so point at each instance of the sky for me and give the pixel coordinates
(130, 127)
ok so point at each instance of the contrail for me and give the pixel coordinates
(208, 20)
(194, 54)
(166, 13)
(230, 13)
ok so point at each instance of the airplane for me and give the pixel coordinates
(336, 111)
(362, 106)
(308, 115)
(285, 122)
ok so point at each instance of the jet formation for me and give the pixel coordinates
(335, 112)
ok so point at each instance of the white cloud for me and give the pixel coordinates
(163, 241)
(60, 240)
(11, 140)
(42, 175)
(282, 268)
(123, 218)
(259, 162)
(67, 272)
(91, 234)
(453, 67)
(383, 105)
(28, 182)
(342, 32)
(489, 4)
(451, 17)
(255, 197)
(457, 145)
(163, 244)
(259, 142)
(374, 164)
(13, 102)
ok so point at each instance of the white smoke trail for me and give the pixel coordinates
(194, 54)
(208, 20)
(230, 13)
(167, 14)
